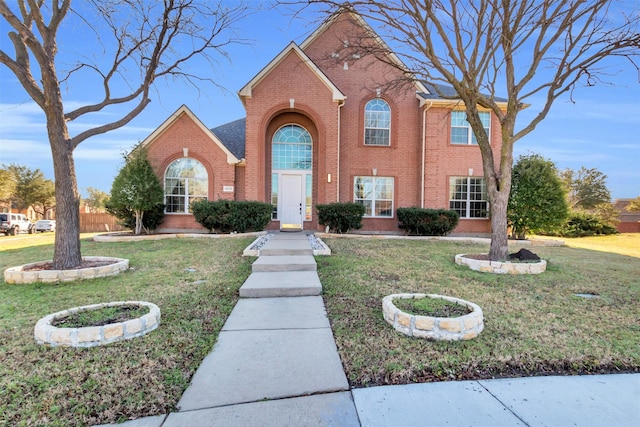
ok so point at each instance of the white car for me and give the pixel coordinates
(45, 225)
(11, 224)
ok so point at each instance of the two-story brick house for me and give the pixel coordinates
(322, 126)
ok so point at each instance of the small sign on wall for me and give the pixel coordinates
(227, 188)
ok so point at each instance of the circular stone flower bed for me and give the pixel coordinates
(457, 328)
(92, 267)
(50, 329)
(481, 263)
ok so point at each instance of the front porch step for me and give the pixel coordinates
(284, 263)
(284, 252)
(279, 246)
(281, 284)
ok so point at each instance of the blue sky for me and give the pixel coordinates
(600, 130)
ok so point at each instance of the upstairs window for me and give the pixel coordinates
(461, 132)
(377, 123)
(468, 197)
(185, 181)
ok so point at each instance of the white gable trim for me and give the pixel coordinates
(246, 91)
(183, 110)
(326, 24)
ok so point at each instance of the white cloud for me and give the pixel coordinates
(76, 127)
(19, 150)
(556, 152)
(96, 154)
(630, 146)
(585, 109)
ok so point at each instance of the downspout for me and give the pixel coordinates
(340, 105)
(424, 151)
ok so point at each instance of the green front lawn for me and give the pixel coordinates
(534, 325)
(195, 283)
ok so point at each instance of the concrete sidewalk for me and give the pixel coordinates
(276, 364)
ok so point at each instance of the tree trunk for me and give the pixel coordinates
(138, 229)
(498, 190)
(66, 252)
(499, 249)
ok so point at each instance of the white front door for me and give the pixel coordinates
(291, 202)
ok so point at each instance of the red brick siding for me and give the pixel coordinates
(445, 160)
(269, 107)
(360, 83)
(167, 147)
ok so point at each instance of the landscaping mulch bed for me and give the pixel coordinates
(433, 307)
(101, 317)
(84, 264)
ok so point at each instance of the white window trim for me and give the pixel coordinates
(468, 200)
(185, 196)
(373, 200)
(470, 131)
(366, 127)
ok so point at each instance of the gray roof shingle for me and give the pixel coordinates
(448, 91)
(232, 135)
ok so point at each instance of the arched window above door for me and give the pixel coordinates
(291, 148)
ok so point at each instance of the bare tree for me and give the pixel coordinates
(138, 42)
(517, 49)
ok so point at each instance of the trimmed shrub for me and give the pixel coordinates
(537, 200)
(581, 224)
(341, 217)
(225, 216)
(214, 216)
(427, 222)
(250, 216)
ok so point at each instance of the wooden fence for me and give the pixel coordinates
(99, 222)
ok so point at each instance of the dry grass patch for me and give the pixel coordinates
(194, 282)
(534, 325)
(623, 243)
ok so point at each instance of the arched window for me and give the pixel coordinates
(291, 148)
(185, 181)
(377, 123)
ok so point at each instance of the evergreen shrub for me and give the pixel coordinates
(581, 224)
(341, 217)
(427, 222)
(225, 216)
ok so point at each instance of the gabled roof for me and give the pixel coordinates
(245, 92)
(356, 17)
(183, 110)
(232, 135)
(425, 91)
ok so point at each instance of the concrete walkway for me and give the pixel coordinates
(276, 364)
